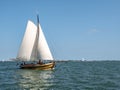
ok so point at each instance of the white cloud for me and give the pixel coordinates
(92, 31)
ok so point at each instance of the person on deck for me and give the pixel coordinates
(40, 62)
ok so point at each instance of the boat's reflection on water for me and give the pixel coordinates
(35, 79)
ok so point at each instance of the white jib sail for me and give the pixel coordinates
(43, 49)
(28, 48)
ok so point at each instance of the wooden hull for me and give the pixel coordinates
(46, 66)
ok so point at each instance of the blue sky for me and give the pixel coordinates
(74, 29)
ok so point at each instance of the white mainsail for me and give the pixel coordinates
(34, 45)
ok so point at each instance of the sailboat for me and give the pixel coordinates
(34, 48)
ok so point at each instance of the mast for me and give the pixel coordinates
(38, 24)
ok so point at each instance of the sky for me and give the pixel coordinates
(74, 29)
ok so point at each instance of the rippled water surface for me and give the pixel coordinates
(68, 75)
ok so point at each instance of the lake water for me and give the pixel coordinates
(67, 75)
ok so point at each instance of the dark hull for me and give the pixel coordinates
(46, 66)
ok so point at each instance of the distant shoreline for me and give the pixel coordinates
(13, 59)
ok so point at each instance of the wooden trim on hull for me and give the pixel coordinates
(38, 66)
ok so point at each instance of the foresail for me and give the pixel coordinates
(27, 42)
(43, 48)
